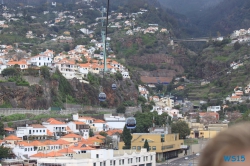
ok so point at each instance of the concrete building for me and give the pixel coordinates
(102, 157)
(199, 130)
(79, 128)
(33, 130)
(115, 122)
(164, 144)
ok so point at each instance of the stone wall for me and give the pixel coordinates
(10, 111)
(32, 80)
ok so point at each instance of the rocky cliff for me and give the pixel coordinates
(42, 96)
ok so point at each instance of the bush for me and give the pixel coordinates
(121, 109)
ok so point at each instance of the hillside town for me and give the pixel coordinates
(169, 123)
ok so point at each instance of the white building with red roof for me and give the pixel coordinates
(55, 126)
(99, 125)
(79, 128)
(34, 130)
(67, 67)
(22, 64)
(43, 59)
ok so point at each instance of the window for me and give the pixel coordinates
(100, 163)
(114, 162)
(122, 161)
(111, 162)
(128, 161)
(44, 131)
(154, 148)
(151, 157)
(94, 164)
(138, 148)
(40, 131)
(149, 148)
(119, 162)
(133, 147)
(97, 155)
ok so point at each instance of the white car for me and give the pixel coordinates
(186, 158)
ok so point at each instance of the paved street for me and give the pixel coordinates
(191, 154)
(191, 161)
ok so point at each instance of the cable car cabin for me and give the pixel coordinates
(114, 86)
(131, 123)
(102, 96)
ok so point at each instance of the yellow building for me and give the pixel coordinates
(165, 145)
(199, 130)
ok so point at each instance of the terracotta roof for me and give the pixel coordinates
(81, 146)
(235, 97)
(99, 121)
(84, 64)
(54, 121)
(68, 129)
(49, 133)
(111, 132)
(9, 129)
(99, 136)
(21, 62)
(79, 123)
(12, 137)
(39, 154)
(66, 150)
(36, 143)
(37, 126)
(86, 117)
(23, 143)
(72, 135)
(54, 154)
(62, 142)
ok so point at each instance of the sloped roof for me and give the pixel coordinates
(72, 135)
(12, 137)
(54, 121)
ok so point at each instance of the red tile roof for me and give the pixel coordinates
(72, 135)
(12, 137)
(54, 121)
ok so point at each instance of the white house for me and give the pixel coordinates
(55, 126)
(43, 59)
(115, 122)
(85, 119)
(101, 157)
(100, 125)
(36, 130)
(68, 68)
(213, 108)
(79, 128)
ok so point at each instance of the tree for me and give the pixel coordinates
(2, 132)
(103, 133)
(10, 72)
(127, 137)
(91, 133)
(146, 145)
(121, 109)
(4, 152)
(182, 128)
(237, 45)
(45, 72)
